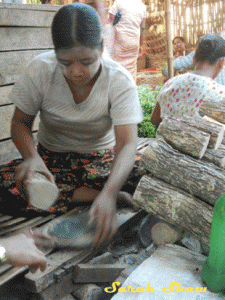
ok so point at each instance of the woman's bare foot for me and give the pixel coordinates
(87, 195)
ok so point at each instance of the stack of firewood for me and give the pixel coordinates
(186, 162)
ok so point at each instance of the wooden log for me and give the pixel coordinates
(175, 207)
(213, 109)
(200, 179)
(217, 157)
(25, 38)
(84, 273)
(163, 233)
(13, 63)
(183, 137)
(216, 122)
(216, 131)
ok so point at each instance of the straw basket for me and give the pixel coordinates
(151, 78)
(156, 49)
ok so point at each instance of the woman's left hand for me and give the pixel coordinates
(104, 209)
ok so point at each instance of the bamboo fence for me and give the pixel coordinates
(190, 18)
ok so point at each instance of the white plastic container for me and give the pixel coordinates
(42, 193)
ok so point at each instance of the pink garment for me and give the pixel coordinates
(127, 33)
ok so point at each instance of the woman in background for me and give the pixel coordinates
(183, 94)
(129, 33)
(179, 44)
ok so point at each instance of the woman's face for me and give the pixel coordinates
(179, 46)
(79, 64)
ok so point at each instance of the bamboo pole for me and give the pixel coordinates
(169, 39)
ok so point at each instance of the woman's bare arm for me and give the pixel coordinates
(156, 115)
(21, 132)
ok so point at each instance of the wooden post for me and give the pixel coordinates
(169, 39)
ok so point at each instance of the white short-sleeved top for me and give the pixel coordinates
(67, 126)
(183, 94)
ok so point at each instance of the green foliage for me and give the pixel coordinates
(147, 98)
(165, 64)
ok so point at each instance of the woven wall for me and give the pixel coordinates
(190, 18)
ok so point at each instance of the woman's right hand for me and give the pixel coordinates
(30, 165)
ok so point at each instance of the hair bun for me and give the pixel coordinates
(207, 46)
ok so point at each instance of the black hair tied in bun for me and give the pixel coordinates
(210, 48)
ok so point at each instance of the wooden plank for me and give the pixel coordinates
(11, 274)
(6, 113)
(29, 224)
(27, 17)
(4, 92)
(84, 273)
(13, 63)
(5, 218)
(5, 268)
(31, 7)
(8, 150)
(22, 226)
(168, 268)
(12, 222)
(41, 280)
(25, 38)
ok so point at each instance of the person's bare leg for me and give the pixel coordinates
(84, 194)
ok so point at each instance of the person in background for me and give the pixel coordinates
(186, 63)
(179, 44)
(107, 27)
(129, 33)
(183, 94)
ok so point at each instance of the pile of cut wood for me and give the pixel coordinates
(187, 161)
